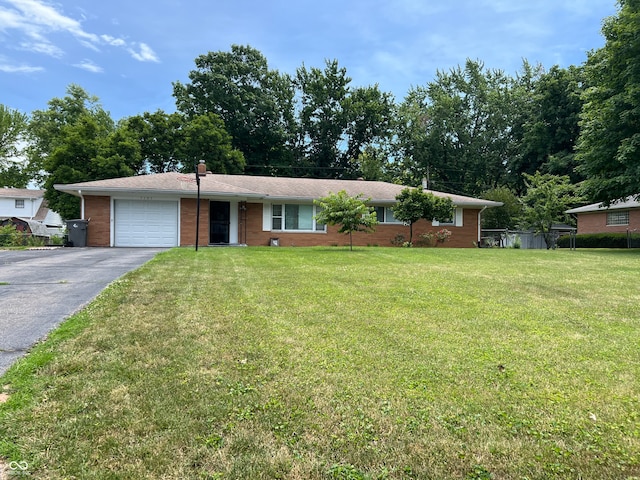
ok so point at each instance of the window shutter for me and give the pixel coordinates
(459, 216)
(266, 217)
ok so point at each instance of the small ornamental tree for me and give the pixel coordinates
(351, 213)
(547, 198)
(414, 204)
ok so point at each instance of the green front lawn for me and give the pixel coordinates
(320, 363)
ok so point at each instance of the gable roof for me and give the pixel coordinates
(625, 204)
(9, 192)
(249, 187)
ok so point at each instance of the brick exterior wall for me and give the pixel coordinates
(597, 223)
(383, 236)
(188, 211)
(98, 211)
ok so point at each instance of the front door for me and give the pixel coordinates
(219, 220)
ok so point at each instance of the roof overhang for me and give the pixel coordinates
(247, 188)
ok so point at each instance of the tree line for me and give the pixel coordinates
(471, 130)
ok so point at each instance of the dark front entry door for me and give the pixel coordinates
(219, 217)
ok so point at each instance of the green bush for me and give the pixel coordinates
(595, 240)
(32, 241)
(9, 236)
(56, 240)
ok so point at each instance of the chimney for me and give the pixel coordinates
(202, 169)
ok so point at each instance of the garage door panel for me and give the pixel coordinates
(144, 223)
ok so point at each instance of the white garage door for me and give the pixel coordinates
(141, 223)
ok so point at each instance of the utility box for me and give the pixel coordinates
(77, 232)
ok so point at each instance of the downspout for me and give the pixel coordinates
(81, 204)
(480, 223)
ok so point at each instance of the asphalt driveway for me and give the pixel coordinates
(41, 288)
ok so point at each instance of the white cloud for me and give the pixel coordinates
(6, 68)
(43, 18)
(44, 48)
(38, 21)
(145, 54)
(10, 19)
(116, 42)
(89, 66)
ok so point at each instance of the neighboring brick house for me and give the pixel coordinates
(619, 217)
(160, 210)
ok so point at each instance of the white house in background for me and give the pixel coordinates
(24, 206)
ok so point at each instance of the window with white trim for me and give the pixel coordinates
(19, 202)
(385, 215)
(450, 220)
(456, 219)
(618, 218)
(295, 217)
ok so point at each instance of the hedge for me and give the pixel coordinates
(597, 240)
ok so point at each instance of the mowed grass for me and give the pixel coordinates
(321, 363)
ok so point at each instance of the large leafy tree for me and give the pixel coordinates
(457, 131)
(550, 127)
(337, 123)
(255, 103)
(609, 144)
(414, 204)
(174, 142)
(351, 213)
(160, 136)
(205, 138)
(547, 198)
(322, 118)
(13, 171)
(506, 216)
(75, 140)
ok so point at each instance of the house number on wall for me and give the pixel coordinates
(146, 198)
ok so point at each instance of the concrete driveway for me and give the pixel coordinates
(41, 288)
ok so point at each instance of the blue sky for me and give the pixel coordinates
(128, 53)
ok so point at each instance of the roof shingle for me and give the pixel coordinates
(256, 187)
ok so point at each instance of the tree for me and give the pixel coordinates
(550, 127)
(415, 204)
(409, 208)
(46, 126)
(457, 131)
(160, 136)
(370, 121)
(75, 140)
(174, 142)
(337, 123)
(206, 139)
(255, 103)
(351, 213)
(13, 126)
(506, 216)
(322, 118)
(547, 198)
(609, 143)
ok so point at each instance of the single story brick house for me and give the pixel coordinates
(619, 217)
(159, 210)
